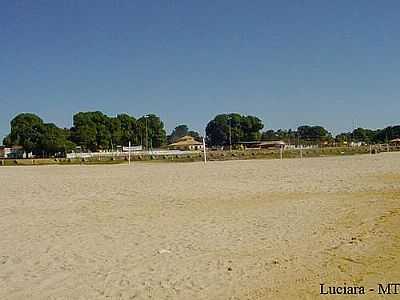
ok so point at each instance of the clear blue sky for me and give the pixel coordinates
(331, 63)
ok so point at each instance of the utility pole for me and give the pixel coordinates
(204, 151)
(230, 133)
(129, 153)
(147, 137)
(112, 150)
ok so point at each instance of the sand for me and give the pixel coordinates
(260, 229)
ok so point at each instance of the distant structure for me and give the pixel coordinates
(12, 152)
(395, 142)
(263, 144)
(186, 143)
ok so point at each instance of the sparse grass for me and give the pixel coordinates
(211, 156)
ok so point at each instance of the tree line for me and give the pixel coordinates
(95, 131)
(91, 131)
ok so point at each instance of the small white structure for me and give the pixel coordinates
(13, 152)
(132, 148)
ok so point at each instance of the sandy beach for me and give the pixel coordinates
(259, 229)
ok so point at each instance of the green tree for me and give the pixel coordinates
(363, 135)
(250, 127)
(269, 135)
(91, 130)
(29, 131)
(387, 134)
(177, 133)
(116, 132)
(129, 130)
(313, 134)
(227, 128)
(53, 140)
(343, 138)
(217, 131)
(151, 130)
(26, 131)
(195, 135)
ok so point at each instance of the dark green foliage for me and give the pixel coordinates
(53, 140)
(313, 133)
(29, 131)
(249, 128)
(96, 131)
(303, 135)
(226, 128)
(181, 131)
(288, 136)
(195, 135)
(387, 134)
(151, 130)
(177, 133)
(127, 132)
(26, 130)
(343, 138)
(379, 136)
(270, 135)
(363, 135)
(91, 130)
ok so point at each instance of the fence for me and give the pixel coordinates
(123, 154)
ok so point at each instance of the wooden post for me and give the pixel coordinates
(204, 151)
(129, 153)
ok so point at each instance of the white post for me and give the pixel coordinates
(301, 151)
(370, 149)
(281, 152)
(129, 153)
(204, 151)
(387, 147)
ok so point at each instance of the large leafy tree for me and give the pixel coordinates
(181, 131)
(217, 131)
(363, 135)
(370, 136)
(250, 127)
(227, 128)
(288, 136)
(53, 140)
(115, 131)
(270, 135)
(29, 131)
(387, 134)
(128, 130)
(94, 130)
(26, 131)
(151, 130)
(91, 130)
(195, 135)
(313, 134)
(343, 138)
(177, 133)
